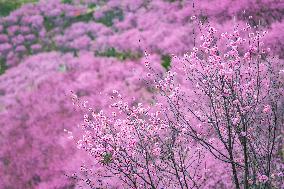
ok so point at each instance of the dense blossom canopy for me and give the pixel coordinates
(93, 47)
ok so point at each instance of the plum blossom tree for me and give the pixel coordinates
(240, 103)
(225, 102)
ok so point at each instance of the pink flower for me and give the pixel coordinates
(236, 120)
(281, 75)
(243, 134)
(3, 38)
(20, 48)
(263, 178)
(250, 181)
(267, 109)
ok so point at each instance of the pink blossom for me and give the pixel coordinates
(266, 109)
(263, 178)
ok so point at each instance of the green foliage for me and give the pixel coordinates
(48, 24)
(67, 1)
(7, 6)
(107, 19)
(112, 52)
(109, 16)
(62, 68)
(80, 18)
(106, 159)
(84, 17)
(3, 66)
(50, 47)
(92, 6)
(203, 18)
(166, 61)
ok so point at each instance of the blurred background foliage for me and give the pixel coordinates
(6, 6)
